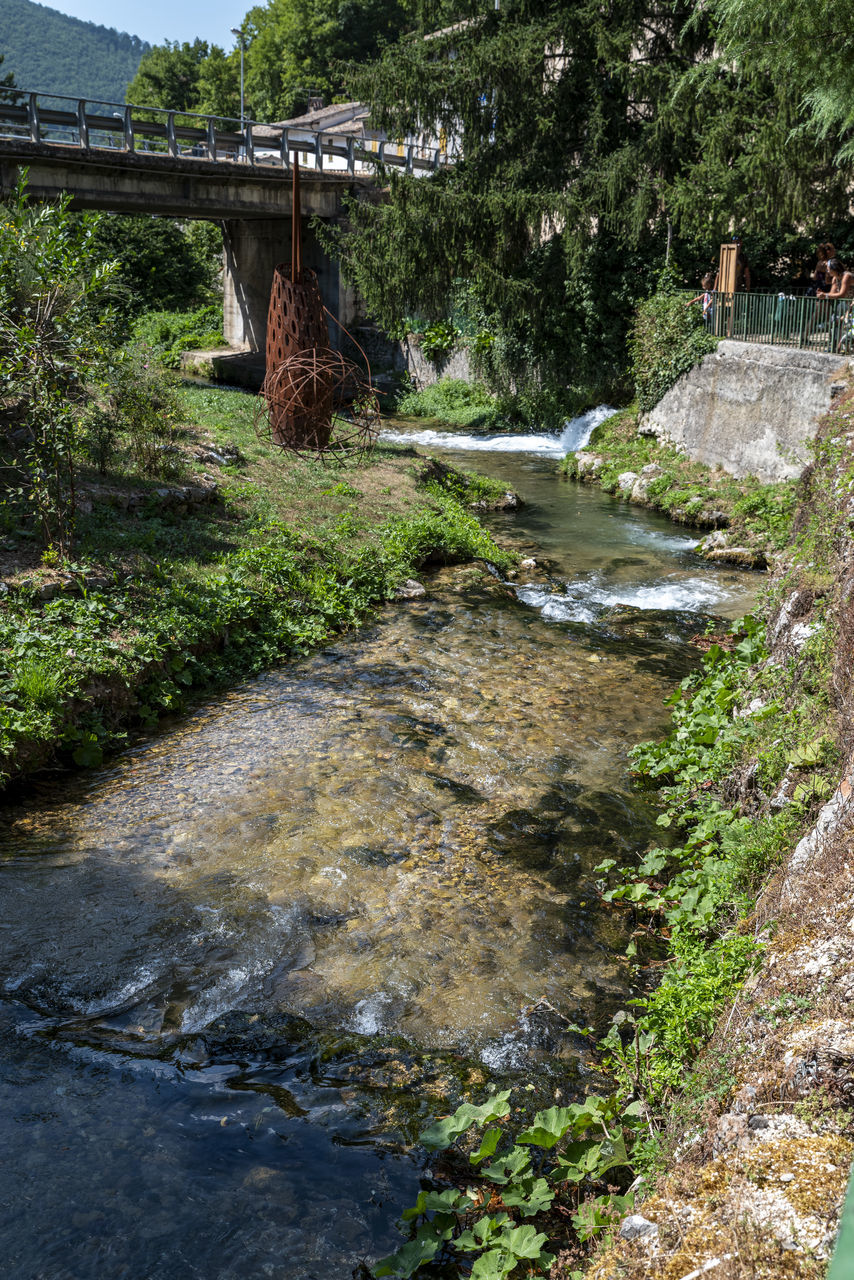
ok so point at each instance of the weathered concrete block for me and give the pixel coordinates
(749, 408)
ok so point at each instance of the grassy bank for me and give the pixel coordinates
(756, 517)
(726, 1126)
(240, 557)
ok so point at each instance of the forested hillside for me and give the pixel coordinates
(45, 49)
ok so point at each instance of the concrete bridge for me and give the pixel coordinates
(126, 159)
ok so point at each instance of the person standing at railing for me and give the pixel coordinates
(842, 286)
(707, 298)
(820, 276)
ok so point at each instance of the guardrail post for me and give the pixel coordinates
(248, 144)
(351, 155)
(171, 138)
(409, 149)
(82, 126)
(318, 152)
(33, 117)
(211, 139)
(381, 152)
(130, 140)
(437, 158)
(283, 150)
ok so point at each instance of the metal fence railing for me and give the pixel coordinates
(35, 118)
(783, 319)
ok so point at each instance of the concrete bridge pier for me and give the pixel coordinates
(252, 249)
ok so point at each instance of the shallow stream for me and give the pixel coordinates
(242, 964)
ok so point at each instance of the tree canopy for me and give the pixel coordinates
(56, 53)
(588, 137)
(292, 49)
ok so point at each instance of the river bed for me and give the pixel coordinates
(243, 963)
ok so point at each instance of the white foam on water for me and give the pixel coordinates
(574, 436)
(584, 601)
(370, 1015)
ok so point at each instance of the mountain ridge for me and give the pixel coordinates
(54, 53)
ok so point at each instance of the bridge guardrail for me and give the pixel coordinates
(32, 117)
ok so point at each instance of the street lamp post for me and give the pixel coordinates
(235, 31)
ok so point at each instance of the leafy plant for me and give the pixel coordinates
(438, 340)
(166, 334)
(560, 1157)
(465, 404)
(666, 340)
(53, 339)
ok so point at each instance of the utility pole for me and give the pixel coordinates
(236, 31)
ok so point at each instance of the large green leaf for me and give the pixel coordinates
(443, 1132)
(523, 1242)
(514, 1165)
(493, 1265)
(529, 1195)
(487, 1146)
(549, 1127)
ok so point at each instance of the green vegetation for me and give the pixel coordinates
(294, 48)
(465, 404)
(48, 50)
(165, 334)
(161, 264)
(666, 340)
(159, 602)
(55, 343)
(563, 205)
(548, 1166)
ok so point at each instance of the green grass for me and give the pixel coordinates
(294, 551)
(463, 404)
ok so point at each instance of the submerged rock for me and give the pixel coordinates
(410, 590)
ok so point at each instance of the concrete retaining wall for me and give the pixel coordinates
(407, 356)
(749, 408)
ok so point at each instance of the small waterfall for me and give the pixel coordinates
(578, 431)
(575, 435)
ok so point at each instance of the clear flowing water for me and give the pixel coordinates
(241, 965)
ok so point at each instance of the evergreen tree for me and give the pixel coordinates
(808, 47)
(584, 134)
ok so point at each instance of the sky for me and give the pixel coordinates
(159, 20)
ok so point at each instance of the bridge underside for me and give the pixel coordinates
(253, 208)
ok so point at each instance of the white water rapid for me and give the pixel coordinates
(574, 436)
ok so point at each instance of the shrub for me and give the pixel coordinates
(55, 335)
(167, 333)
(465, 404)
(667, 339)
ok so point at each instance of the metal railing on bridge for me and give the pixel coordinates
(784, 318)
(33, 117)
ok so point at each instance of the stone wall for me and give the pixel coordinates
(749, 408)
(386, 354)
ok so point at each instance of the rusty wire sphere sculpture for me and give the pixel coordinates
(320, 403)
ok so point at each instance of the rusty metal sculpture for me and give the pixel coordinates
(313, 399)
